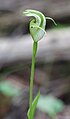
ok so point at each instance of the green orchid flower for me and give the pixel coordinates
(37, 24)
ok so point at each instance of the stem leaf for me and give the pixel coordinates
(31, 110)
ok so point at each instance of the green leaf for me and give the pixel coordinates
(31, 110)
(50, 105)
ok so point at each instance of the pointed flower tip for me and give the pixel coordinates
(49, 18)
(55, 23)
(25, 12)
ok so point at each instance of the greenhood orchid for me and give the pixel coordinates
(37, 31)
(37, 24)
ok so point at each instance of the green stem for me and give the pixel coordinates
(32, 72)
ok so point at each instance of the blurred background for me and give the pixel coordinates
(52, 71)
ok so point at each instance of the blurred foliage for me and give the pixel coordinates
(61, 26)
(8, 89)
(50, 105)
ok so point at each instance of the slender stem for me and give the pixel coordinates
(32, 72)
